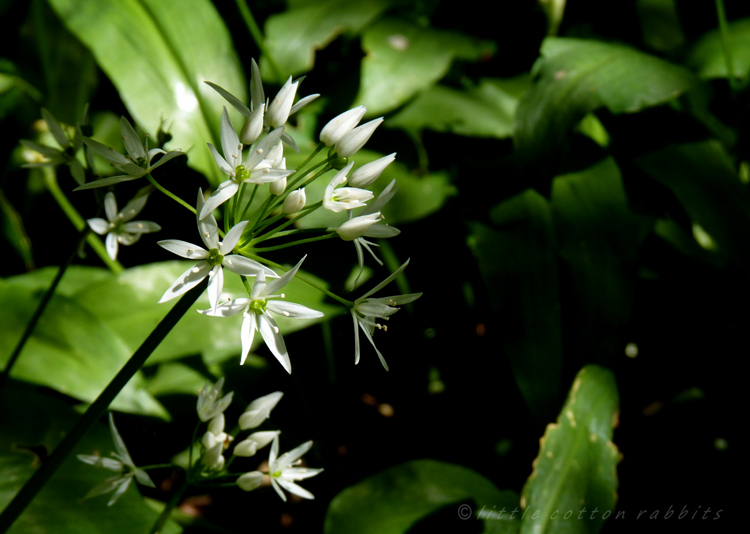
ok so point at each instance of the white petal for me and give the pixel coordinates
(223, 193)
(227, 309)
(207, 226)
(274, 285)
(112, 246)
(250, 481)
(229, 97)
(215, 286)
(133, 207)
(302, 103)
(187, 281)
(141, 227)
(230, 141)
(184, 249)
(110, 206)
(259, 152)
(295, 454)
(225, 167)
(247, 333)
(123, 487)
(275, 485)
(291, 487)
(348, 145)
(245, 266)
(98, 225)
(382, 231)
(385, 282)
(142, 477)
(290, 309)
(256, 85)
(356, 337)
(232, 237)
(368, 336)
(274, 340)
(368, 173)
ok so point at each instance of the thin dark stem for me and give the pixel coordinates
(97, 409)
(171, 505)
(40, 308)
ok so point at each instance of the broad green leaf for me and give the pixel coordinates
(128, 304)
(14, 231)
(576, 76)
(705, 182)
(293, 36)
(575, 469)
(71, 350)
(59, 508)
(481, 111)
(598, 238)
(158, 62)
(403, 59)
(519, 267)
(660, 25)
(417, 196)
(707, 56)
(172, 378)
(391, 501)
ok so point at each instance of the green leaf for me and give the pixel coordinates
(14, 231)
(575, 469)
(519, 267)
(293, 37)
(403, 59)
(158, 63)
(705, 182)
(707, 56)
(598, 238)
(576, 76)
(128, 304)
(481, 111)
(59, 508)
(392, 501)
(172, 378)
(660, 25)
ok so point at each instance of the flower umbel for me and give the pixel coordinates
(122, 464)
(119, 229)
(256, 317)
(366, 311)
(211, 260)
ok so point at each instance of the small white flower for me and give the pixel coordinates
(256, 317)
(350, 143)
(209, 404)
(366, 311)
(356, 227)
(294, 202)
(344, 198)
(211, 260)
(255, 441)
(135, 165)
(259, 410)
(253, 170)
(215, 433)
(250, 481)
(283, 475)
(122, 464)
(368, 173)
(119, 229)
(341, 125)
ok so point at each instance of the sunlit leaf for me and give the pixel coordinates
(575, 469)
(404, 59)
(392, 501)
(158, 63)
(28, 436)
(707, 56)
(519, 267)
(575, 76)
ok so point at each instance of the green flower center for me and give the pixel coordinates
(118, 226)
(258, 306)
(276, 474)
(214, 257)
(241, 173)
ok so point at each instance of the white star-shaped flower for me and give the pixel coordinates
(135, 165)
(257, 317)
(121, 463)
(338, 199)
(211, 260)
(119, 229)
(283, 475)
(366, 311)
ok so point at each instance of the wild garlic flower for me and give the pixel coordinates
(119, 229)
(122, 464)
(215, 433)
(209, 404)
(257, 317)
(341, 125)
(259, 410)
(283, 475)
(256, 440)
(211, 260)
(366, 311)
(350, 143)
(338, 199)
(369, 172)
(253, 170)
(250, 481)
(135, 165)
(294, 201)
(67, 152)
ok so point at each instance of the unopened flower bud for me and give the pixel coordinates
(253, 126)
(278, 187)
(348, 145)
(368, 173)
(278, 110)
(356, 227)
(294, 202)
(213, 458)
(250, 481)
(341, 125)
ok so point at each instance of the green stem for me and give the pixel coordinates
(304, 278)
(277, 232)
(249, 203)
(247, 16)
(94, 242)
(725, 43)
(40, 309)
(295, 243)
(170, 194)
(97, 408)
(174, 500)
